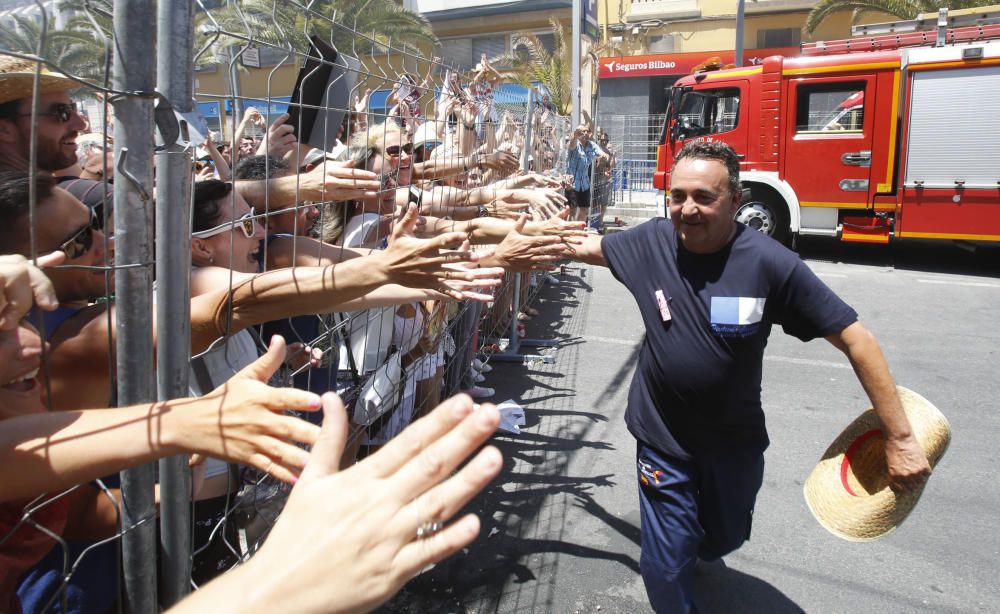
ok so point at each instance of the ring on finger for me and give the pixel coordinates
(428, 529)
(425, 529)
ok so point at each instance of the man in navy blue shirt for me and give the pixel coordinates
(709, 291)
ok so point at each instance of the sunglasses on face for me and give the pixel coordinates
(63, 112)
(80, 242)
(394, 150)
(245, 222)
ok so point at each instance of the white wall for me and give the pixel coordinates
(429, 6)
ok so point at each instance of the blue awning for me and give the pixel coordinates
(210, 109)
(269, 108)
(276, 106)
(378, 99)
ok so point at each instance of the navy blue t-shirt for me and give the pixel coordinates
(696, 387)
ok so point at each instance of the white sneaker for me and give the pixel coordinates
(481, 366)
(479, 392)
(479, 378)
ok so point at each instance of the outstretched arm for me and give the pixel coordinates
(330, 181)
(347, 540)
(589, 251)
(408, 261)
(908, 466)
(238, 422)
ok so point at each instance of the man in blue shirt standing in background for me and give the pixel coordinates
(579, 161)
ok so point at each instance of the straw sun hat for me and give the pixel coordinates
(848, 491)
(17, 78)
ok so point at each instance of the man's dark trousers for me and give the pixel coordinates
(690, 510)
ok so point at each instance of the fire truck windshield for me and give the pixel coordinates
(704, 112)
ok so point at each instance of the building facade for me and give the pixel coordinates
(652, 43)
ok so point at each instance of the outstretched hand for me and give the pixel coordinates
(503, 162)
(420, 263)
(558, 226)
(347, 540)
(23, 284)
(338, 181)
(521, 253)
(240, 421)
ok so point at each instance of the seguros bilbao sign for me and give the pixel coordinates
(679, 63)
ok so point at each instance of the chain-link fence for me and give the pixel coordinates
(266, 136)
(633, 140)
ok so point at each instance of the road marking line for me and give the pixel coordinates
(809, 362)
(948, 282)
(613, 340)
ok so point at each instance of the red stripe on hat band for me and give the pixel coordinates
(845, 464)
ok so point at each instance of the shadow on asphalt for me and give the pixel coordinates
(724, 590)
(913, 255)
(511, 566)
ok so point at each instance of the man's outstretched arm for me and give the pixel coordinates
(589, 251)
(907, 462)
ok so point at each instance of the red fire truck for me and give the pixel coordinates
(876, 137)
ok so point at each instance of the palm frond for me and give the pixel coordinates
(903, 9)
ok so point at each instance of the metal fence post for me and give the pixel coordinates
(134, 46)
(513, 351)
(174, 76)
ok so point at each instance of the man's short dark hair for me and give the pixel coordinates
(254, 168)
(703, 149)
(208, 195)
(14, 197)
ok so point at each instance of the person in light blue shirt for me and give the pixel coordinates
(582, 153)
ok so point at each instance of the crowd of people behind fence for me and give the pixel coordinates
(378, 268)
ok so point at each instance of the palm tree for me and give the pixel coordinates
(903, 9)
(74, 49)
(286, 24)
(536, 64)
(532, 63)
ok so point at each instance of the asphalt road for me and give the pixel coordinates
(563, 514)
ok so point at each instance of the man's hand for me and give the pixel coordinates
(22, 284)
(521, 253)
(338, 181)
(280, 138)
(908, 466)
(420, 263)
(907, 463)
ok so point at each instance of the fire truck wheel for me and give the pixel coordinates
(767, 215)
